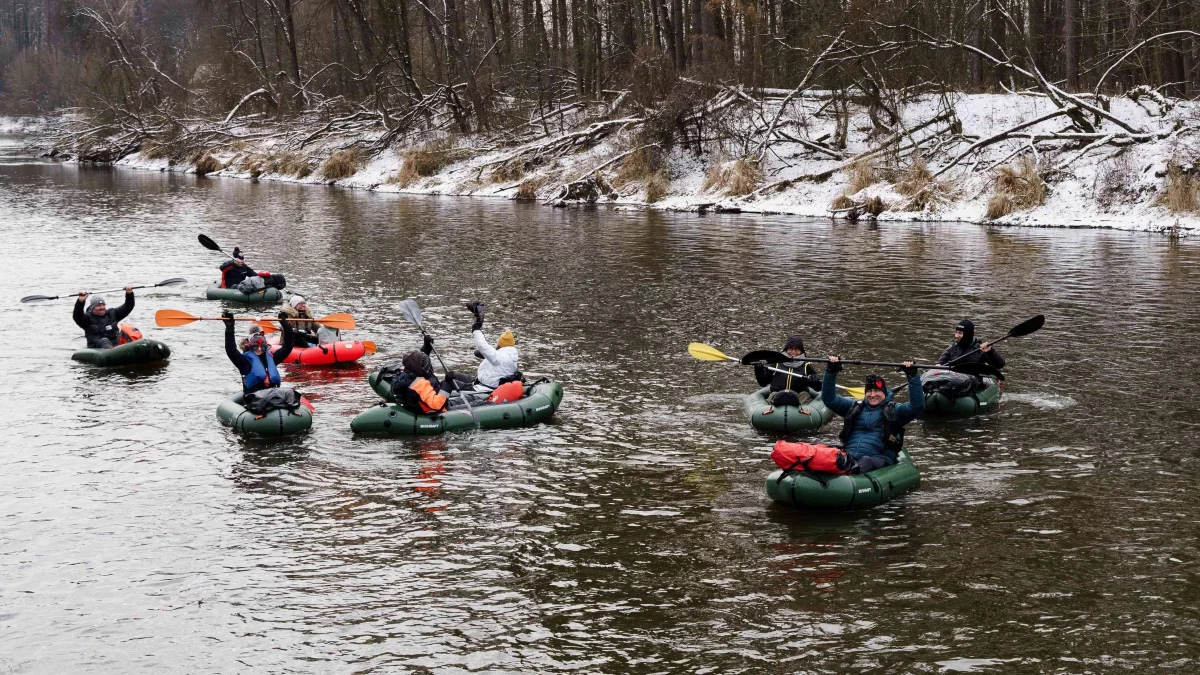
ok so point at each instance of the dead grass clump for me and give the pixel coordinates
(155, 150)
(862, 175)
(342, 164)
(657, 187)
(507, 172)
(1182, 193)
(840, 203)
(206, 164)
(527, 191)
(999, 205)
(875, 206)
(289, 164)
(924, 193)
(640, 164)
(1022, 184)
(736, 179)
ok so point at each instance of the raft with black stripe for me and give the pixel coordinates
(538, 404)
(844, 491)
(215, 292)
(136, 353)
(274, 423)
(333, 353)
(982, 402)
(784, 419)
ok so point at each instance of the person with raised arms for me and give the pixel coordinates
(499, 363)
(256, 364)
(101, 326)
(873, 429)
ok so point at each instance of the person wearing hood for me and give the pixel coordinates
(499, 364)
(101, 326)
(308, 333)
(786, 387)
(966, 349)
(255, 362)
(873, 429)
(416, 386)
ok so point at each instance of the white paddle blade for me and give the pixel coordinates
(411, 311)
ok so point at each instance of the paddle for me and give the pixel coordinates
(412, 311)
(369, 346)
(176, 281)
(169, 318)
(1031, 325)
(705, 352)
(211, 245)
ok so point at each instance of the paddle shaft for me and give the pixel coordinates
(447, 370)
(787, 372)
(110, 290)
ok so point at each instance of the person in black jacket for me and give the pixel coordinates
(257, 365)
(960, 351)
(235, 270)
(800, 376)
(101, 326)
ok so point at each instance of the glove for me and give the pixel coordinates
(427, 347)
(476, 308)
(909, 372)
(834, 366)
(283, 318)
(227, 316)
(478, 354)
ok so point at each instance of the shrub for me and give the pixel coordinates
(342, 164)
(840, 203)
(1182, 193)
(507, 172)
(999, 205)
(924, 193)
(738, 178)
(641, 164)
(1022, 184)
(206, 164)
(862, 175)
(527, 191)
(657, 187)
(290, 164)
(875, 206)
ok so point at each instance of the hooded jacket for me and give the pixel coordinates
(497, 364)
(233, 274)
(866, 436)
(956, 349)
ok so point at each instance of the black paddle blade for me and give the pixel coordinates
(175, 281)
(208, 243)
(764, 356)
(977, 369)
(1028, 326)
(39, 298)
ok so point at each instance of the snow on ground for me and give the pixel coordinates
(1105, 187)
(22, 125)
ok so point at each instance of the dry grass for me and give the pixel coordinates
(1182, 194)
(527, 192)
(1017, 189)
(657, 187)
(206, 163)
(862, 175)
(736, 179)
(289, 164)
(875, 206)
(507, 172)
(642, 164)
(422, 161)
(343, 164)
(156, 150)
(840, 203)
(924, 193)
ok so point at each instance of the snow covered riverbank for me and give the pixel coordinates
(979, 158)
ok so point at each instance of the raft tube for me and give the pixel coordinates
(538, 405)
(215, 292)
(843, 491)
(275, 423)
(983, 402)
(785, 419)
(324, 355)
(136, 353)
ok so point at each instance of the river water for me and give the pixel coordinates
(631, 535)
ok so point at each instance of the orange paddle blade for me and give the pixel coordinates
(339, 321)
(267, 326)
(169, 318)
(369, 346)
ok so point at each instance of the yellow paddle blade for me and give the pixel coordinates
(369, 346)
(169, 318)
(701, 351)
(856, 392)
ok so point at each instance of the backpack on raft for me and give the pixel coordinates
(251, 285)
(129, 334)
(811, 457)
(507, 392)
(276, 398)
(949, 383)
(275, 281)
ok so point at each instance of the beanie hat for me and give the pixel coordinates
(416, 363)
(874, 382)
(296, 301)
(794, 342)
(237, 253)
(94, 300)
(968, 331)
(506, 340)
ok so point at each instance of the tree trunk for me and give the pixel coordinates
(1070, 46)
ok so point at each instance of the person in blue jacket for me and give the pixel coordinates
(257, 363)
(873, 429)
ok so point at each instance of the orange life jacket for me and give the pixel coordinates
(431, 400)
(507, 392)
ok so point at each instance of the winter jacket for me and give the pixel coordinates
(108, 326)
(315, 333)
(866, 436)
(232, 275)
(497, 363)
(955, 350)
(802, 378)
(243, 361)
(419, 395)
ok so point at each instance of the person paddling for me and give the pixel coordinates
(416, 386)
(101, 326)
(786, 387)
(960, 351)
(873, 430)
(256, 364)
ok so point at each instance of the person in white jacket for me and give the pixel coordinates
(499, 363)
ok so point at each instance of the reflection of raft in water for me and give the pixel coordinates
(843, 491)
(538, 404)
(273, 423)
(950, 395)
(784, 419)
(215, 292)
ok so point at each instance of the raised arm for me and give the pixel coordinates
(285, 343)
(126, 307)
(907, 412)
(78, 313)
(231, 350)
(838, 404)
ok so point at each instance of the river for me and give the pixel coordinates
(632, 534)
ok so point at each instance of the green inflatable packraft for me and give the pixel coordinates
(215, 292)
(843, 491)
(538, 405)
(785, 419)
(983, 402)
(275, 423)
(136, 353)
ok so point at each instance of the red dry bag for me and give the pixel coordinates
(811, 457)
